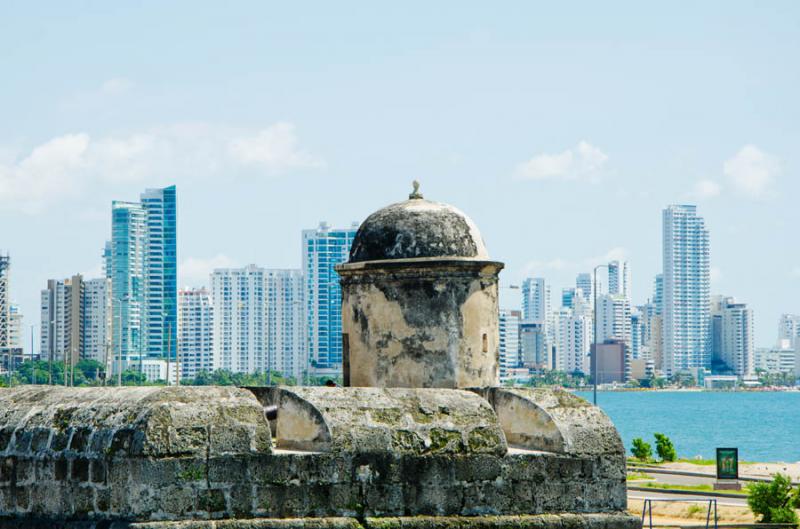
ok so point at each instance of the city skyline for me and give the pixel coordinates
(564, 151)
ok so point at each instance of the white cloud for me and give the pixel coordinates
(273, 148)
(716, 274)
(67, 166)
(751, 170)
(580, 162)
(706, 189)
(796, 271)
(49, 171)
(195, 271)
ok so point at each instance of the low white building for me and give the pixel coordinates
(156, 369)
(781, 359)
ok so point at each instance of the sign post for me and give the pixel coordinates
(727, 469)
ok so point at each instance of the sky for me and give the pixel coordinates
(562, 128)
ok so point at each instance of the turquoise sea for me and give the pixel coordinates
(765, 426)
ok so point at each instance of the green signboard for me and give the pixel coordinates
(727, 463)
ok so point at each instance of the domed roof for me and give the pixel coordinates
(417, 228)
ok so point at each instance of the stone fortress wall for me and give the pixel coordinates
(148, 454)
(422, 440)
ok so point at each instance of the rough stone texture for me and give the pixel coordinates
(417, 228)
(243, 480)
(546, 521)
(430, 323)
(553, 420)
(145, 421)
(399, 420)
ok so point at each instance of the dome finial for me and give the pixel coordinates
(415, 194)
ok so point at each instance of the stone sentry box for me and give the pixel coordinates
(419, 300)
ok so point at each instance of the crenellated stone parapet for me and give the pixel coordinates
(367, 454)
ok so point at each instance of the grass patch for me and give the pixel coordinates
(693, 509)
(635, 476)
(701, 462)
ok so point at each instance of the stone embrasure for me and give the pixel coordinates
(553, 420)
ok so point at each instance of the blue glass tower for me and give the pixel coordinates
(323, 248)
(127, 279)
(141, 260)
(161, 273)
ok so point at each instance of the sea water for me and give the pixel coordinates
(764, 426)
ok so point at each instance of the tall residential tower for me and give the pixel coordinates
(323, 248)
(686, 302)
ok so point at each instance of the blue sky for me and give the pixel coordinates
(562, 128)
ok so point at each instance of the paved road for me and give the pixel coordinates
(641, 495)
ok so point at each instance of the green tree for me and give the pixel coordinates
(133, 378)
(664, 448)
(641, 450)
(774, 502)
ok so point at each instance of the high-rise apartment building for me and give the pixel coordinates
(732, 335)
(658, 293)
(619, 279)
(534, 347)
(613, 319)
(568, 297)
(97, 320)
(789, 328)
(323, 248)
(637, 334)
(15, 326)
(574, 337)
(128, 248)
(160, 316)
(585, 283)
(285, 322)
(141, 260)
(508, 323)
(62, 320)
(686, 302)
(5, 300)
(239, 319)
(535, 299)
(76, 320)
(195, 332)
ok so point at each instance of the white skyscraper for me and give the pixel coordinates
(258, 320)
(613, 319)
(686, 304)
(285, 322)
(535, 299)
(509, 341)
(97, 320)
(195, 332)
(240, 319)
(732, 335)
(574, 337)
(789, 328)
